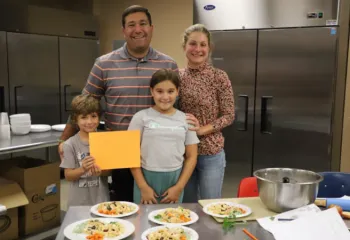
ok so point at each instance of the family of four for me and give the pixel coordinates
(180, 114)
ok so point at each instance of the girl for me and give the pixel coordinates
(168, 147)
(88, 185)
(206, 92)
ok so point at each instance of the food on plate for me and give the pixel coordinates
(115, 208)
(174, 215)
(168, 234)
(96, 227)
(225, 209)
(95, 236)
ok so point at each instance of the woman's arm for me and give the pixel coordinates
(226, 105)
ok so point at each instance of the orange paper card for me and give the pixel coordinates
(115, 149)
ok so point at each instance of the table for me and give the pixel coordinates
(206, 226)
(30, 141)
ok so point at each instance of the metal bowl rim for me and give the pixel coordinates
(304, 183)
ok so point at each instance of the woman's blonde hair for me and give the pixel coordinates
(196, 28)
(83, 105)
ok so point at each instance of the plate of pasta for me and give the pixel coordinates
(114, 209)
(170, 232)
(226, 209)
(99, 228)
(174, 216)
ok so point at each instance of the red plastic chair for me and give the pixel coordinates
(248, 187)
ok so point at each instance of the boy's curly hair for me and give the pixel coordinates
(84, 104)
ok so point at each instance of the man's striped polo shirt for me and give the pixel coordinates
(124, 83)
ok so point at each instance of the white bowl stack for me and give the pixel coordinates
(20, 123)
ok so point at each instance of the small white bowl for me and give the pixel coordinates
(20, 130)
(25, 123)
(20, 116)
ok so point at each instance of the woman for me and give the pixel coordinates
(205, 92)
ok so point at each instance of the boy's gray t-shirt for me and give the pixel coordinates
(88, 190)
(163, 139)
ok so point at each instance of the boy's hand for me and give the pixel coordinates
(88, 163)
(172, 195)
(96, 171)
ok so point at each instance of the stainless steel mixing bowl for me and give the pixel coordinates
(283, 189)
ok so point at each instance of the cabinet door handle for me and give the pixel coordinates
(245, 103)
(2, 99)
(65, 97)
(266, 115)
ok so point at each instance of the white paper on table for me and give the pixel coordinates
(268, 223)
(325, 225)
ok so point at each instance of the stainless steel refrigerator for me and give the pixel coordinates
(280, 56)
(283, 84)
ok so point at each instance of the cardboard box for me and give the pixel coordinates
(40, 182)
(12, 197)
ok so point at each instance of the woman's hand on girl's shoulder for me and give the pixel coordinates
(192, 121)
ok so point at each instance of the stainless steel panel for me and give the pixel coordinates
(257, 14)
(235, 52)
(294, 98)
(4, 92)
(24, 16)
(33, 74)
(77, 57)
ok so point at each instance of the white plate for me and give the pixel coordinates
(128, 226)
(151, 215)
(40, 128)
(192, 234)
(59, 127)
(247, 209)
(95, 211)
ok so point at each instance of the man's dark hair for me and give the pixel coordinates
(136, 9)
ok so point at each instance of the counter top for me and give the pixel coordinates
(206, 226)
(29, 141)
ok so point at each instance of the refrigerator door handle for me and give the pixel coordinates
(15, 95)
(244, 119)
(65, 97)
(266, 115)
(2, 99)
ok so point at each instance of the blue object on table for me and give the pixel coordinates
(343, 203)
(334, 185)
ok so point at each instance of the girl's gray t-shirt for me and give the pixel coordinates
(88, 190)
(163, 139)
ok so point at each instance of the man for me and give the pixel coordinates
(122, 77)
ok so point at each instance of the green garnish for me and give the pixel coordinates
(272, 218)
(157, 217)
(229, 222)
